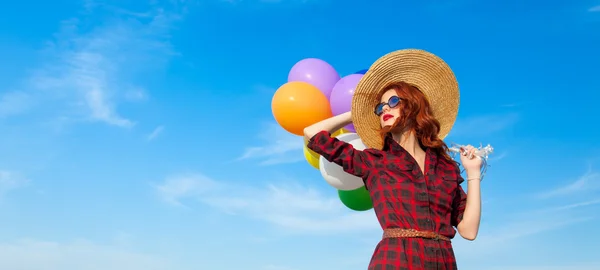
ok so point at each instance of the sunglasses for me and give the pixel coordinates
(393, 102)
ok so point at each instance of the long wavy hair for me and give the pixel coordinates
(416, 116)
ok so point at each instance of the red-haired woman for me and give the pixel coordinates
(402, 109)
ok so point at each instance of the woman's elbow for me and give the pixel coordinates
(308, 133)
(469, 236)
(468, 233)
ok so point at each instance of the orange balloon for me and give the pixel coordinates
(297, 105)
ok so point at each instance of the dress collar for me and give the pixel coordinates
(408, 162)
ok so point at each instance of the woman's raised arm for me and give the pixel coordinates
(330, 125)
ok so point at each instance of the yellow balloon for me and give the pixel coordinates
(312, 153)
(340, 132)
(311, 158)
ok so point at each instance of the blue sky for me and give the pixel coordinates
(139, 135)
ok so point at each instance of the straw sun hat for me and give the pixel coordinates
(427, 72)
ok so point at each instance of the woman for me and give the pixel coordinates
(402, 109)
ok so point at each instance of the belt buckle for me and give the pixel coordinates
(436, 237)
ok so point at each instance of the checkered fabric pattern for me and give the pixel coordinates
(404, 197)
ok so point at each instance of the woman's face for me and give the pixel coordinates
(388, 109)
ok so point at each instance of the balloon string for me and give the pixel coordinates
(482, 152)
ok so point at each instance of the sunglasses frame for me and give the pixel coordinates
(379, 108)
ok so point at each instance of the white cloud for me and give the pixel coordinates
(519, 229)
(497, 157)
(157, 131)
(10, 181)
(28, 254)
(513, 234)
(293, 207)
(277, 267)
(279, 146)
(575, 205)
(483, 125)
(268, 1)
(92, 70)
(302, 209)
(299, 209)
(174, 189)
(588, 182)
(574, 266)
(594, 9)
(136, 94)
(14, 102)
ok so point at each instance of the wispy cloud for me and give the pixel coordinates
(91, 70)
(136, 94)
(279, 146)
(277, 267)
(10, 181)
(80, 254)
(293, 207)
(175, 189)
(573, 266)
(269, 1)
(574, 205)
(594, 9)
(157, 131)
(513, 231)
(483, 125)
(498, 157)
(14, 102)
(588, 182)
(527, 227)
(300, 209)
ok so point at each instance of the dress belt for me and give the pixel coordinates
(412, 233)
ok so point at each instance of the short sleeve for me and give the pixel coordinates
(355, 162)
(458, 206)
(459, 203)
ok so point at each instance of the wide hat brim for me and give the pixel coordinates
(426, 71)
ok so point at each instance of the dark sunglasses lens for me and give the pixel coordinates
(394, 101)
(379, 109)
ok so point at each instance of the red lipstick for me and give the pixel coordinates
(387, 116)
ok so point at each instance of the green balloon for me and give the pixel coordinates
(357, 200)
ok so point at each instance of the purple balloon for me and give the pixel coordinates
(316, 72)
(341, 96)
(350, 128)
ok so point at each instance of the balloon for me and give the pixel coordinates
(297, 105)
(361, 71)
(340, 132)
(311, 157)
(334, 174)
(341, 95)
(357, 199)
(316, 72)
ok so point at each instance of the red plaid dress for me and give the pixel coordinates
(404, 197)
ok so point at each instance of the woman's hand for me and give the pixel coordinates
(469, 160)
